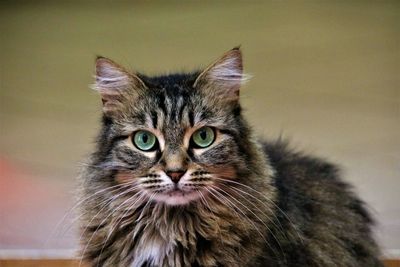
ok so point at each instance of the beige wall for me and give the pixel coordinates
(326, 75)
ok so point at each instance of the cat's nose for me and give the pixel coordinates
(175, 175)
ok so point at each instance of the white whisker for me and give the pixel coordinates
(101, 223)
(266, 198)
(255, 215)
(54, 231)
(242, 212)
(111, 231)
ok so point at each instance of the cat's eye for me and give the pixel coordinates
(203, 137)
(145, 140)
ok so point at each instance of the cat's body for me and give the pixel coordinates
(205, 192)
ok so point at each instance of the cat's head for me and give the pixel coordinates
(175, 138)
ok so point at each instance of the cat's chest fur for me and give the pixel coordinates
(151, 252)
(179, 237)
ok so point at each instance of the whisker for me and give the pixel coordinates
(98, 227)
(204, 200)
(256, 216)
(244, 214)
(108, 201)
(211, 190)
(104, 202)
(234, 207)
(268, 199)
(148, 202)
(240, 192)
(58, 225)
(115, 226)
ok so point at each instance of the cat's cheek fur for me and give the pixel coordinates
(223, 172)
(123, 177)
(224, 154)
(133, 159)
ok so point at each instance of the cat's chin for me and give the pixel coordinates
(177, 197)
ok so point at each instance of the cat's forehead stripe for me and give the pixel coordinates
(171, 108)
(154, 119)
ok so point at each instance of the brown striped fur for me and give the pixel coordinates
(239, 203)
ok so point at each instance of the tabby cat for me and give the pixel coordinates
(178, 179)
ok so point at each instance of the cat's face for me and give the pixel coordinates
(175, 138)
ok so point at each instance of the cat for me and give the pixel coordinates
(178, 179)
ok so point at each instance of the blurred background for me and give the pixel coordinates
(326, 75)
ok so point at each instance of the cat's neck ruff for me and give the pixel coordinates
(176, 235)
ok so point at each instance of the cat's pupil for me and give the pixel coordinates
(145, 138)
(203, 135)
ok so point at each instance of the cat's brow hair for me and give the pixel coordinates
(171, 112)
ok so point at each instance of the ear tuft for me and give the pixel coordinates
(110, 76)
(115, 85)
(224, 76)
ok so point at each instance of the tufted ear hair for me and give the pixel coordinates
(115, 85)
(223, 78)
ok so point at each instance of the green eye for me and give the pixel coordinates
(144, 140)
(203, 137)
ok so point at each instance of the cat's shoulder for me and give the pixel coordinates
(287, 160)
(307, 179)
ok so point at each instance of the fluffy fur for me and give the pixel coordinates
(239, 203)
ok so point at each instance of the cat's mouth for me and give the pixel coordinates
(177, 196)
(176, 192)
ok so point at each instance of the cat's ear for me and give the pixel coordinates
(223, 78)
(115, 85)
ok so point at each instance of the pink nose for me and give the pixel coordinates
(175, 175)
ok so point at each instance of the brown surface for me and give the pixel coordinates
(392, 263)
